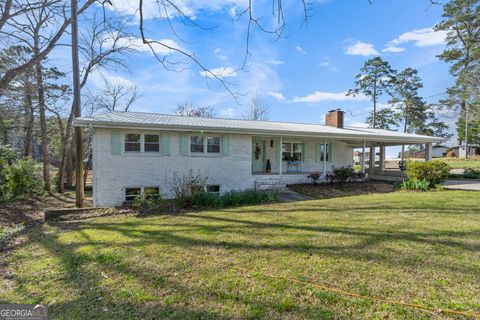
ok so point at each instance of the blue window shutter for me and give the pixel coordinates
(226, 146)
(277, 151)
(184, 144)
(331, 151)
(317, 152)
(165, 144)
(116, 143)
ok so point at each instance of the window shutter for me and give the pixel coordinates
(304, 158)
(331, 151)
(116, 143)
(184, 144)
(225, 145)
(318, 150)
(277, 151)
(165, 144)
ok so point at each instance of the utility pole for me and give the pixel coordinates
(466, 130)
(77, 111)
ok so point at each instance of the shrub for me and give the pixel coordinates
(184, 187)
(23, 178)
(415, 185)
(342, 175)
(471, 173)
(434, 172)
(232, 199)
(314, 176)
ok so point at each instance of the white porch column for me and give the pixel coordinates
(324, 158)
(382, 158)
(363, 157)
(428, 151)
(280, 157)
(371, 166)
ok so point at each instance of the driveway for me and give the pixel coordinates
(473, 185)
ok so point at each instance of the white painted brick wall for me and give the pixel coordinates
(112, 174)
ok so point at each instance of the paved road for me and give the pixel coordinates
(462, 185)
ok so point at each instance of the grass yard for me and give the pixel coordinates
(457, 163)
(421, 248)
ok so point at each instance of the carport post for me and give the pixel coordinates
(325, 158)
(371, 166)
(363, 157)
(428, 151)
(382, 158)
(280, 157)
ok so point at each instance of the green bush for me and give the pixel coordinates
(23, 178)
(434, 172)
(415, 185)
(232, 199)
(471, 173)
(342, 175)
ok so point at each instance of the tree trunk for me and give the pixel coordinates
(70, 162)
(43, 125)
(87, 167)
(65, 147)
(28, 106)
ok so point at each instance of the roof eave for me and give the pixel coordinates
(367, 137)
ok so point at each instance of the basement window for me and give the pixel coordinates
(132, 193)
(214, 189)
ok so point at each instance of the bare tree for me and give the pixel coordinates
(102, 45)
(257, 110)
(190, 110)
(113, 96)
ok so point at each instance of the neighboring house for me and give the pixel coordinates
(141, 152)
(473, 150)
(438, 151)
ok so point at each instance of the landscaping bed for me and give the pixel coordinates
(327, 190)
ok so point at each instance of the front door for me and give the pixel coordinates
(258, 156)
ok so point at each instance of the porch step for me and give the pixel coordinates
(270, 184)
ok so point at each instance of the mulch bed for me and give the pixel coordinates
(325, 190)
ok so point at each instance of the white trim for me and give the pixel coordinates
(142, 144)
(205, 152)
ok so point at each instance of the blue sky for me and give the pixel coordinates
(299, 77)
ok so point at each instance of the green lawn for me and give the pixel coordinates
(457, 163)
(421, 248)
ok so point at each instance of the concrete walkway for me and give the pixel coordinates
(289, 195)
(472, 185)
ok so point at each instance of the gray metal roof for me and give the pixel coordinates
(141, 120)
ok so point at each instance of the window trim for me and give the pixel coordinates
(140, 142)
(205, 152)
(159, 143)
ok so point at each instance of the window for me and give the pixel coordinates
(132, 142)
(213, 144)
(151, 192)
(196, 144)
(324, 152)
(132, 193)
(292, 151)
(215, 189)
(204, 144)
(152, 143)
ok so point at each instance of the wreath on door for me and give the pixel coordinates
(257, 151)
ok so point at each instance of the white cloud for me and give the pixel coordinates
(393, 49)
(320, 96)
(217, 53)
(360, 48)
(227, 113)
(421, 37)
(223, 72)
(300, 49)
(275, 62)
(277, 95)
(326, 63)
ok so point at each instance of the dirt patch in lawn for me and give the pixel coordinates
(325, 191)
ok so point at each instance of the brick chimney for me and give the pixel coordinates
(334, 118)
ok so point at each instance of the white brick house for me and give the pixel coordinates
(141, 152)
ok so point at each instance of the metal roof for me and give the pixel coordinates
(141, 120)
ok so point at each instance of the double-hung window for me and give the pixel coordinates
(132, 142)
(152, 143)
(204, 144)
(292, 151)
